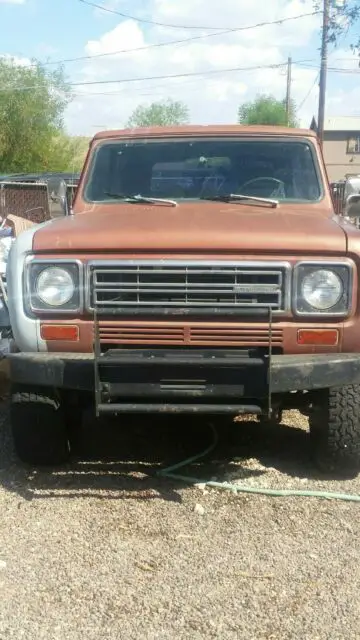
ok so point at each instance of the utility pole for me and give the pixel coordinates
(288, 91)
(323, 69)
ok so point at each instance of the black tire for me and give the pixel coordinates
(335, 430)
(73, 405)
(38, 427)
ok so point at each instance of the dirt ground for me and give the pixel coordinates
(105, 549)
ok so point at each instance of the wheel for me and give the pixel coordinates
(335, 430)
(38, 427)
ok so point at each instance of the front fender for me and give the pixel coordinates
(26, 330)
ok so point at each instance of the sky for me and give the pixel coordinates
(220, 57)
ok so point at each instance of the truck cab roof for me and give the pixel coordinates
(205, 130)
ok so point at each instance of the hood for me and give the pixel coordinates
(204, 227)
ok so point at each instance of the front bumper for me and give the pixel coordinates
(191, 380)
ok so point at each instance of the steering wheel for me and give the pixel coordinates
(278, 191)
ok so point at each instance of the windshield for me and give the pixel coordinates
(203, 168)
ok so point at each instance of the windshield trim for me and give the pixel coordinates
(197, 138)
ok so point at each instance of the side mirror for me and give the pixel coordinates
(352, 208)
(64, 205)
(62, 198)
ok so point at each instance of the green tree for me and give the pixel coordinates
(32, 105)
(68, 153)
(159, 114)
(266, 110)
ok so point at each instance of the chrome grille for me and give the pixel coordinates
(195, 285)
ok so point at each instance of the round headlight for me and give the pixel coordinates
(55, 286)
(322, 289)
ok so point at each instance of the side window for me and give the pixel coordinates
(353, 145)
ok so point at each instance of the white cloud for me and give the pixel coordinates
(12, 1)
(211, 98)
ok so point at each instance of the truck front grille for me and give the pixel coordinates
(161, 285)
(123, 333)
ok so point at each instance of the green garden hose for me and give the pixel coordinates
(235, 488)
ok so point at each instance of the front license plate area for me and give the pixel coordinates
(200, 380)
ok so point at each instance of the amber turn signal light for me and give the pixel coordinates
(319, 337)
(68, 332)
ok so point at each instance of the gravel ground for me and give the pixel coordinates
(105, 550)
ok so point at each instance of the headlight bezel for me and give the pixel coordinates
(343, 269)
(33, 303)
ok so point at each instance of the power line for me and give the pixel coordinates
(157, 45)
(149, 88)
(150, 91)
(174, 42)
(164, 86)
(144, 48)
(354, 58)
(350, 72)
(161, 77)
(179, 26)
(332, 69)
(309, 92)
(157, 87)
(178, 75)
(131, 17)
(192, 74)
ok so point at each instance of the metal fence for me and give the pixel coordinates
(25, 199)
(34, 200)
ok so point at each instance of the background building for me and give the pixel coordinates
(341, 146)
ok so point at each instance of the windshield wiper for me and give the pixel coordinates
(134, 199)
(227, 197)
